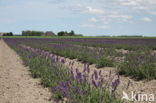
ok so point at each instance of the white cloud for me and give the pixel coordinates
(93, 20)
(146, 19)
(152, 1)
(107, 19)
(140, 8)
(103, 27)
(94, 10)
(118, 11)
(88, 25)
(152, 12)
(129, 2)
(121, 16)
(85, 9)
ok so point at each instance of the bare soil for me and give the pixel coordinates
(16, 84)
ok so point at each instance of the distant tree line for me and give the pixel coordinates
(129, 36)
(40, 33)
(32, 33)
(8, 34)
(65, 33)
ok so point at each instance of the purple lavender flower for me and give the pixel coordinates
(78, 75)
(88, 69)
(62, 61)
(100, 73)
(115, 84)
(94, 83)
(95, 74)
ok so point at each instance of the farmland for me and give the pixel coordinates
(94, 68)
(104, 53)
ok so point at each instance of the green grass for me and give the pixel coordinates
(104, 62)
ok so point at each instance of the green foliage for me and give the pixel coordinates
(65, 33)
(61, 33)
(32, 33)
(8, 34)
(104, 62)
(140, 65)
(72, 33)
(83, 54)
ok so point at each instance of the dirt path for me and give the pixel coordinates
(16, 84)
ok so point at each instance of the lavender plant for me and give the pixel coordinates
(140, 65)
(67, 85)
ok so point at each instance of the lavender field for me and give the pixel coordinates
(78, 51)
(48, 60)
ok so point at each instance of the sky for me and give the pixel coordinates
(88, 17)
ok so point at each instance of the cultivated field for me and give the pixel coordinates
(90, 70)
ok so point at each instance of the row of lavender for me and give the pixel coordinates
(144, 68)
(129, 63)
(139, 62)
(102, 57)
(68, 85)
(129, 44)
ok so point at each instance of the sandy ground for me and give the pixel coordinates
(16, 84)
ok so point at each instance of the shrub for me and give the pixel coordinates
(140, 65)
(104, 62)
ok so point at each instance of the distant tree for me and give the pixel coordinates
(8, 34)
(36, 33)
(26, 33)
(61, 33)
(32, 33)
(72, 33)
(65, 33)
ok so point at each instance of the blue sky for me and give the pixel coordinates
(88, 17)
